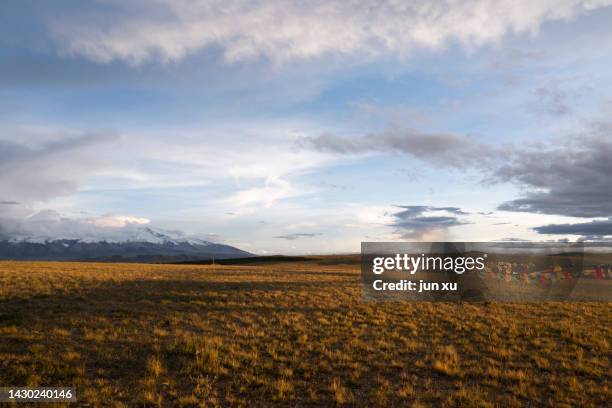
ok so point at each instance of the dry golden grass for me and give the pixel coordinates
(287, 334)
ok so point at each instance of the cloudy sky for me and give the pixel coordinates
(308, 126)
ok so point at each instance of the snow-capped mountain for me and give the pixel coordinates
(126, 234)
(139, 242)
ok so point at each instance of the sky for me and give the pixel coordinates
(303, 127)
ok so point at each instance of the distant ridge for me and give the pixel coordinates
(142, 245)
(325, 260)
(250, 260)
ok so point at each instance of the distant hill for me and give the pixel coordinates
(324, 260)
(146, 245)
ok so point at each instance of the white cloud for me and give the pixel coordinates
(45, 164)
(117, 221)
(266, 195)
(245, 166)
(169, 30)
(50, 225)
(239, 152)
(242, 171)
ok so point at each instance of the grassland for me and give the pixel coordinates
(290, 334)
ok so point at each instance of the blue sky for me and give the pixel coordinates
(307, 127)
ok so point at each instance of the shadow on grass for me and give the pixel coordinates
(281, 259)
(130, 298)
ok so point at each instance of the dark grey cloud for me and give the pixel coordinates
(454, 210)
(597, 228)
(10, 203)
(564, 176)
(414, 221)
(409, 211)
(294, 236)
(459, 151)
(572, 179)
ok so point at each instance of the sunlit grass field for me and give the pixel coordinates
(289, 334)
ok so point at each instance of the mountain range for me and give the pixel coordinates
(143, 244)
